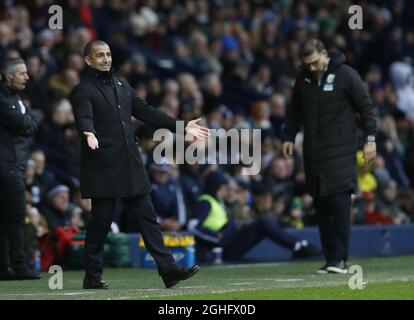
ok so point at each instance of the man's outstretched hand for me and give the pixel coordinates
(200, 132)
(91, 140)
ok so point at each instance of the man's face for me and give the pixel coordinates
(60, 201)
(316, 62)
(223, 192)
(160, 177)
(40, 160)
(100, 58)
(17, 79)
(263, 202)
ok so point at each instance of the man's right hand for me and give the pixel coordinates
(287, 149)
(92, 141)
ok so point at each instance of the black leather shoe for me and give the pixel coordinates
(94, 284)
(339, 267)
(323, 270)
(177, 274)
(26, 274)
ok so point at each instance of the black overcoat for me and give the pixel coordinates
(327, 113)
(103, 104)
(17, 124)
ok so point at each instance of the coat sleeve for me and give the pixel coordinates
(362, 103)
(18, 123)
(82, 109)
(141, 110)
(293, 118)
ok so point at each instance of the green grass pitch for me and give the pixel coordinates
(386, 278)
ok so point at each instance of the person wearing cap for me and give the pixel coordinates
(58, 210)
(213, 226)
(17, 124)
(262, 208)
(388, 203)
(326, 99)
(164, 197)
(111, 163)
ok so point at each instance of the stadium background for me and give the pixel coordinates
(234, 64)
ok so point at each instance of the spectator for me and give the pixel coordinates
(366, 180)
(296, 214)
(59, 211)
(278, 113)
(402, 77)
(63, 83)
(389, 204)
(43, 179)
(277, 177)
(371, 212)
(164, 198)
(213, 228)
(201, 56)
(192, 182)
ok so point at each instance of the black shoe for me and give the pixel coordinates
(339, 267)
(6, 275)
(26, 274)
(306, 250)
(94, 283)
(179, 273)
(323, 270)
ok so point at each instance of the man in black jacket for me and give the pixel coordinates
(16, 125)
(112, 166)
(326, 97)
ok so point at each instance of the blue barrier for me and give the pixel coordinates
(366, 241)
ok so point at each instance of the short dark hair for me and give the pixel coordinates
(89, 46)
(8, 65)
(312, 45)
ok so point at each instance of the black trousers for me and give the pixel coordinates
(12, 213)
(333, 214)
(142, 211)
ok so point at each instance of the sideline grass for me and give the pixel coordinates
(387, 278)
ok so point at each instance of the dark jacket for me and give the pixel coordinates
(103, 104)
(164, 199)
(16, 124)
(327, 113)
(56, 218)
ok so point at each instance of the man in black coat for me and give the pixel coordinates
(112, 166)
(16, 125)
(326, 98)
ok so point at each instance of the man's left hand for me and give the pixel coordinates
(200, 132)
(370, 152)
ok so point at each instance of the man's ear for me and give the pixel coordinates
(88, 60)
(7, 77)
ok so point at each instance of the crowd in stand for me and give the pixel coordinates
(234, 64)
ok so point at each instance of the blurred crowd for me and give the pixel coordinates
(231, 62)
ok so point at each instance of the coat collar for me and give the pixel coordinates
(8, 90)
(104, 76)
